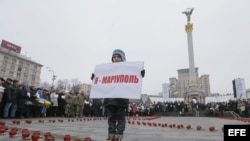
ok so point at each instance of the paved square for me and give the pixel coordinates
(137, 128)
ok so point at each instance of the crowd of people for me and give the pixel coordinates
(23, 101)
(211, 109)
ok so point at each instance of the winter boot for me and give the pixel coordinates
(111, 138)
(118, 137)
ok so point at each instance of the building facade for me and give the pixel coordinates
(85, 88)
(178, 87)
(14, 65)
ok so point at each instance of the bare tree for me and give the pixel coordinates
(75, 85)
(60, 86)
(45, 85)
(66, 85)
(63, 85)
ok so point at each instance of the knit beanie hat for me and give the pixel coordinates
(119, 52)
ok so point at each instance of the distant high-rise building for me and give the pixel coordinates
(204, 83)
(239, 88)
(165, 91)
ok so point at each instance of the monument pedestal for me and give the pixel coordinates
(194, 93)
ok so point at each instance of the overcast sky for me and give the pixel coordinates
(72, 36)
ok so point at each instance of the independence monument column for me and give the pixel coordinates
(189, 30)
(192, 91)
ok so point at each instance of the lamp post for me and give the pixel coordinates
(53, 75)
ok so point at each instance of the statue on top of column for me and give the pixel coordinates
(188, 13)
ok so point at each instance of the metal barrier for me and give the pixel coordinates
(197, 113)
(235, 115)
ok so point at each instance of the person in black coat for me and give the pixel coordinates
(6, 97)
(61, 103)
(95, 108)
(10, 107)
(248, 109)
(24, 101)
(1, 95)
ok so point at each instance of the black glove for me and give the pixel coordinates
(92, 76)
(143, 72)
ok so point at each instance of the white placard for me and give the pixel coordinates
(117, 80)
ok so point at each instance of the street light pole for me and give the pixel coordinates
(53, 75)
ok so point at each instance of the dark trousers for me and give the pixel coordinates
(116, 120)
(35, 111)
(1, 109)
(60, 111)
(53, 111)
(23, 112)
